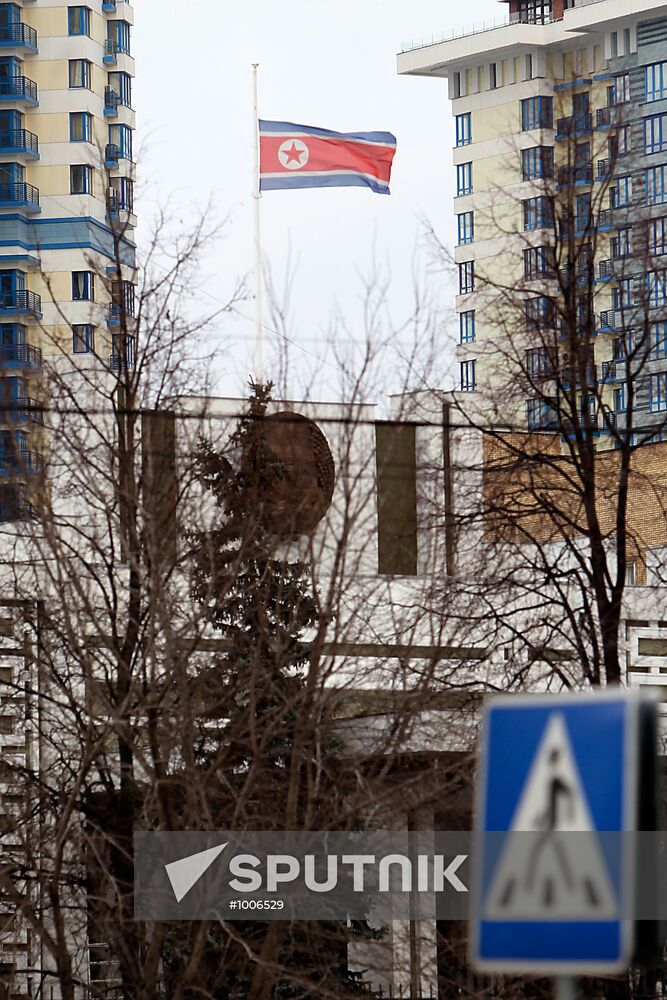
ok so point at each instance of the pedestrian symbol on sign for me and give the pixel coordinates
(560, 871)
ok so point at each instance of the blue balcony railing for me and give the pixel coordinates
(111, 101)
(111, 50)
(574, 125)
(21, 301)
(18, 88)
(21, 463)
(111, 155)
(109, 5)
(18, 36)
(22, 410)
(20, 356)
(20, 193)
(19, 140)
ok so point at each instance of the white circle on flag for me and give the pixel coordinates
(293, 154)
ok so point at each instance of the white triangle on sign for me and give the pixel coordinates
(186, 871)
(559, 872)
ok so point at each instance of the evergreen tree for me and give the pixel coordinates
(262, 605)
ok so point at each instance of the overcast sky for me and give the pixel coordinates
(325, 64)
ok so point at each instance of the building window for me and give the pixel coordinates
(468, 376)
(466, 226)
(123, 351)
(121, 137)
(121, 194)
(83, 338)
(121, 84)
(621, 193)
(657, 237)
(537, 112)
(537, 362)
(621, 244)
(620, 92)
(464, 178)
(122, 298)
(464, 129)
(456, 85)
(79, 73)
(537, 413)
(467, 327)
(78, 20)
(83, 286)
(540, 313)
(622, 347)
(493, 76)
(619, 398)
(467, 277)
(659, 392)
(655, 134)
(538, 262)
(613, 41)
(80, 126)
(80, 179)
(656, 288)
(656, 185)
(655, 87)
(118, 33)
(623, 296)
(658, 341)
(538, 213)
(538, 161)
(534, 12)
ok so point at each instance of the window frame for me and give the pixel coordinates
(466, 277)
(86, 75)
(87, 130)
(466, 227)
(658, 399)
(464, 129)
(83, 338)
(468, 375)
(467, 327)
(463, 178)
(88, 285)
(84, 18)
(87, 175)
(655, 82)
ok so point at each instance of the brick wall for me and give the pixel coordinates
(532, 492)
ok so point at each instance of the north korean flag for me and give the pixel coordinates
(300, 156)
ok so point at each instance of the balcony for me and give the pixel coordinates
(580, 275)
(606, 269)
(20, 356)
(109, 6)
(111, 50)
(605, 169)
(21, 463)
(20, 302)
(111, 155)
(607, 320)
(608, 371)
(113, 314)
(580, 124)
(111, 102)
(19, 140)
(606, 218)
(22, 410)
(607, 117)
(18, 89)
(21, 195)
(582, 173)
(18, 36)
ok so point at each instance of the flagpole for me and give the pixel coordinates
(258, 246)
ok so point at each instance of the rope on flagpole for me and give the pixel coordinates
(258, 245)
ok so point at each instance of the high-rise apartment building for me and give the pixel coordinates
(561, 190)
(66, 209)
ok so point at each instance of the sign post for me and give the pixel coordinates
(557, 796)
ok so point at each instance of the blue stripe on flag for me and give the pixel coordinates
(386, 138)
(287, 182)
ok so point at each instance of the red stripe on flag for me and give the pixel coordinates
(325, 154)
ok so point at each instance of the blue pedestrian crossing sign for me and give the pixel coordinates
(554, 877)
